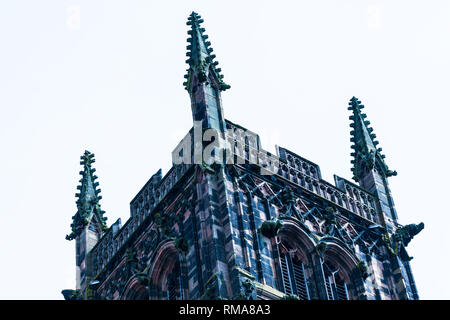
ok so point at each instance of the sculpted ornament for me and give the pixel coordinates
(397, 243)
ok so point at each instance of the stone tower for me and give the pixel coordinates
(88, 222)
(230, 220)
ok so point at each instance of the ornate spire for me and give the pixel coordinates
(364, 144)
(88, 199)
(200, 55)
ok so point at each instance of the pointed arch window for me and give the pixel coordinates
(174, 286)
(167, 274)
(135, 290)
(138, 293)
(293, 275)
(334, 283)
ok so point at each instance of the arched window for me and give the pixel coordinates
(293, 273)
(174, 288)
(167, 275)
(139, 293)
(136, 291)
(334, 282)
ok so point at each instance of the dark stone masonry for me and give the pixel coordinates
(252, 226)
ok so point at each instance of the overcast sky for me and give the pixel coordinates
(107, 76)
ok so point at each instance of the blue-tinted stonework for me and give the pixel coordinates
(246, 230)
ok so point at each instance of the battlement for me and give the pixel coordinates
(147, 199)
(301, 172)
(345, 194)
(298, 163)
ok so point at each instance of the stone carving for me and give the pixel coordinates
(397, 243)
(71, 294)
(182, 245)
(363, 270)
(270, 228)
(289, 198)
(247, 290)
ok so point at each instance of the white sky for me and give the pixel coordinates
(112, 84)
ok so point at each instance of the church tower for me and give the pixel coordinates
(253, 225)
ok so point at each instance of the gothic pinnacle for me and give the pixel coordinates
(200, 57)
(364, 143)
(87, 198)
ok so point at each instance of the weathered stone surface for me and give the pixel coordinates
(270, 229)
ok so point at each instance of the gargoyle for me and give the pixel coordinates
(406, 233)
(71, 294)
(270, 228)
(397, 243)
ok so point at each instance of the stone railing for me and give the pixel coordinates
(356, 200)
(143, 204)
(306, 174)
(299, 163)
